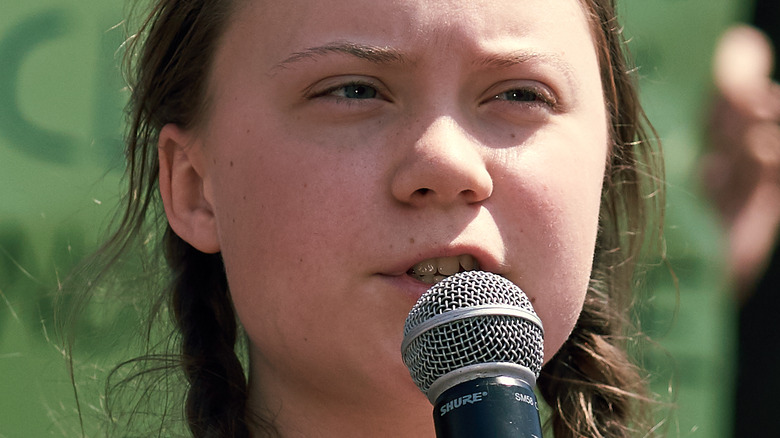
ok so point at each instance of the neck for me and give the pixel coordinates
(298, 409)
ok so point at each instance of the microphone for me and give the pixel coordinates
(474, 346)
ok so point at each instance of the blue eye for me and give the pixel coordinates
(354, 91)
(522, 95)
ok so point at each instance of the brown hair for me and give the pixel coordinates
(168, 62)
(167, 65)
(591, 384)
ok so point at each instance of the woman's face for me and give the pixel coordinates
(349, 140)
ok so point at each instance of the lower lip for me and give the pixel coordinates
(407, 286)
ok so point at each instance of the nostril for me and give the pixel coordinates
(430, 195)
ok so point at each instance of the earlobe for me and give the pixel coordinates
(184, 189)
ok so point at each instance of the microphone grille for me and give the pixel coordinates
(471, 318)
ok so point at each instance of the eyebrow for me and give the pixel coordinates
(374, 54)
(510, 59)
(386, 55)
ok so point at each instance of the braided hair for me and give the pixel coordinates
(216, 400)
(168, 62)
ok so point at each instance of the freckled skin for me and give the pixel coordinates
(323, 195)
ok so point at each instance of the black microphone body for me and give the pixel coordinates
(498, 407)
(474, 345)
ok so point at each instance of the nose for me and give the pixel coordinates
(443, 166)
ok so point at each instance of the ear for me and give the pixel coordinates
(185, 190)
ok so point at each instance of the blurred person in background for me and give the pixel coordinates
(742, 177)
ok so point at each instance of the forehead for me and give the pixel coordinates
(273, 29)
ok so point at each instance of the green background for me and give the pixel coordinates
(61, 100)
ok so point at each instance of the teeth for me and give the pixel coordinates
(448, 265)
(468, 262)
(431, 279)
(427, 267)
(432, 271)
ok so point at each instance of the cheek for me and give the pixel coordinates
(557, 274)
(271, 229)
(271, 218)
(557, 213)
(288, 216)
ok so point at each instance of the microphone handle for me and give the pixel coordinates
(496, 407)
